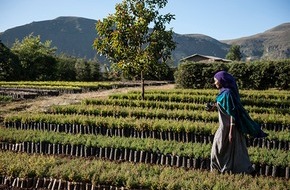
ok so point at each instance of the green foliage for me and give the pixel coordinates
(70, 69)
(126, 40)
(36, 58)
(65, 85)
(5, 99)
(197, 75)
(260, 75)
(9, 64)
(95, 71)
(128, 175)
(282, 73)
(33, 60)
(242, 73)
(195, 150)
(82, 70)
(234, 53)
(65, 68)
(128, 112)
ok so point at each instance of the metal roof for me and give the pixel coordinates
(206, 57)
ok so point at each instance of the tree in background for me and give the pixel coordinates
(95, 70)
(37, 59)
(82, 70)
(9, 64)
(126, 40)
(87, 70)
(31, 59)
(234, 53)
(65, 68)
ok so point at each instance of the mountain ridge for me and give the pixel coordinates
(75, 35)
(272, 43)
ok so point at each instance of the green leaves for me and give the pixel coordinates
(234, 53)
(126, 40)
(128, 175)
(9, 64)
(259, 75)
(36, 58)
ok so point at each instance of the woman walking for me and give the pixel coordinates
(229, 151)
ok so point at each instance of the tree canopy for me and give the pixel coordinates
(127, 41)
(36, 58)
(31, 59)
(234, 53)
(9, 64)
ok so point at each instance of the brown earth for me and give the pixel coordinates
(41, 104)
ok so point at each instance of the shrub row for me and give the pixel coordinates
(137, 112)
(196, 150)
(173, 105)
(81, 123)
(254, 75)
(148, 113)
(253, 94)
(147, 144)
(276, 140)
(277, 163)
(202, 99)
(275, 130)
(72, 87)
(97, 173)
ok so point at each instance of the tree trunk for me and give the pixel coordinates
(142, 86)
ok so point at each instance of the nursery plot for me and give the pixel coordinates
(170, 128)
(196, 113)
(71, 87)
(22, 90)
(202, 98)
(264, 94)
(172, 105)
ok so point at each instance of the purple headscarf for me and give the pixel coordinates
(245, 122)
(228, 82)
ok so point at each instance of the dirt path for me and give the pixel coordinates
(42, 103)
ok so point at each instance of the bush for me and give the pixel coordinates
(196, 75)
(260, 75)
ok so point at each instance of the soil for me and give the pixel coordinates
(41, 104)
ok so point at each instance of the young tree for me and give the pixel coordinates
(126, 40)
(37, 59)
(234, 53)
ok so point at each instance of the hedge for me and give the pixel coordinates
(258, 75)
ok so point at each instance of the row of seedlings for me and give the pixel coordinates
(54, 172)
(181, 131)
(171, 153)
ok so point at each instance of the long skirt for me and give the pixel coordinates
(229, 156)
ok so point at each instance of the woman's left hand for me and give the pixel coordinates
(230, 138)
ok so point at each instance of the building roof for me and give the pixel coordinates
(205, 57)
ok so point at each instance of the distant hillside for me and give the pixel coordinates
(198, 44)
(271, 44)
(71, 35)
(74, 36)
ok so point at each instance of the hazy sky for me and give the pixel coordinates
(220, 19)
